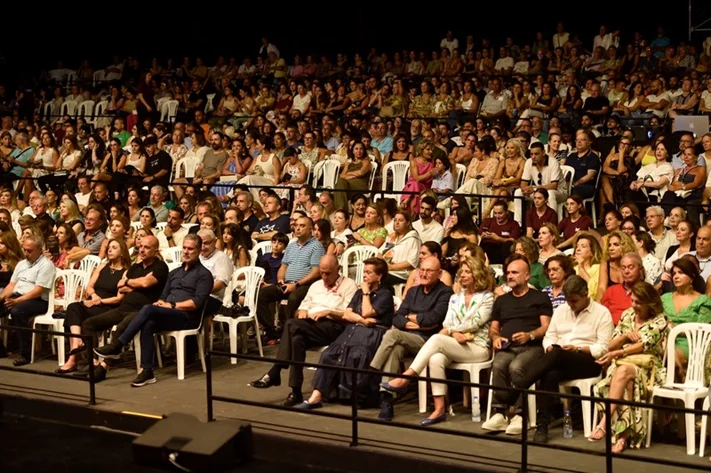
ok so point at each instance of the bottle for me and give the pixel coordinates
(567, 425)
(476, 411)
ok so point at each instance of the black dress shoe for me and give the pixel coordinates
(21, 361)
(265, 382)
(292, 400)
(63, 371)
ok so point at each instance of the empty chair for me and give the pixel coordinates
(86, 111)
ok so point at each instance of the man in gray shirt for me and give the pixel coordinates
(91, 238)
(27, 294)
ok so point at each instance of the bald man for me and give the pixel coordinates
(317, 323)
(141, 285)
(419, 317)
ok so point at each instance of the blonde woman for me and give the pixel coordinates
(509, 172)
(587, 256)
(69, 213)
(464, 337)
(265, 169)
(615, 245)
(8, 201)
(548, 238)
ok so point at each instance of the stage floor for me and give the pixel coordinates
(189, 396)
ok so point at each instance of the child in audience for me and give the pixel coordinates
(271, 262)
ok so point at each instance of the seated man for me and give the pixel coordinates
(498, 233)
(519, 321)
(618, 298)
(577, 336)
(180, 307)
(174, 232)
(219, 264)
(317, 324)
(141, 285)
(299, 268)
(26, 296)
(420, 316)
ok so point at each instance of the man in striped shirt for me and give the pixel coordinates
(299, 269)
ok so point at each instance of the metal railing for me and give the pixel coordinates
(354, 418)
(89, 342)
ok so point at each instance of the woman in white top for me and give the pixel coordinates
(654, 178)
(8, 201)
(685, 236)
(302, 100)
(401, 249)
(645, 247)
(340, 233)
(706, 143)
(45, 160)
(265, 169)
(464, 337)
(135, 163)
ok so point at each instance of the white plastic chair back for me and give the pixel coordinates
(99, 76)
(161, 226)
(186, 167)
(253, 277)
(136, 225)
(569, 252)
(373, 172)
(261, 248)
(461, 174)
(75, 280)
(173, 265)
(399, 170)
(71, 79)
(86, 110)
(169, 111)
(328, 169)
(698, 337)
(397, 302)
(88, 264)
(355, 255)
(68, 108)
(568, 175)
(172, 254)
(47, 111)
(210, 106)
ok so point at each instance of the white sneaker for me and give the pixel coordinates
(496, 423)
(515, 426)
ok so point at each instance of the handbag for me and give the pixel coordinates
(644, 361)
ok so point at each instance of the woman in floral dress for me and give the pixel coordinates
(641, 331)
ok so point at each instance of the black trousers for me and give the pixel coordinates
(77, 313)
(300, 335)
(21, 314)
(271, 294)
(554, 367)
(118, 316)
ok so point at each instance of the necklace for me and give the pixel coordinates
(113, 270)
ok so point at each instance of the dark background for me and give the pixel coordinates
(33, 41)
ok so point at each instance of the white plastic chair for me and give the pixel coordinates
(259, 249)
(585, 386)
(179, 336)
(173, 265)
(68, 108)
(169, 111)
(531, 402)
(252, 281)
(461, 174)
(47, 111)
(591, 200)
(56, 325)
(360, 254)
(187, 166)
(174, 254)
(474, 370)
(160, 226)
(210, 106)
(329, 170)
(704, 423)
(99, 76)
(399, 170)
(136, 225)
(373, 172)
(99, 111)
(88, 264)
(568, 174)
(698, 336)
(86, 111)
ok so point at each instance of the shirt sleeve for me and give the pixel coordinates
(203, 288)
(45, 277)
(604, 335)
(316, 254)
(475, 321)
(435, 316)
(551, 337)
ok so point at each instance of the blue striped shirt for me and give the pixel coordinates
(299, 259)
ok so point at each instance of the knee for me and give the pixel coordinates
(439, 360)
(391, 336)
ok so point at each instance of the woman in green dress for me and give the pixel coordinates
(354, 176)
(641, 331)
(685, 305)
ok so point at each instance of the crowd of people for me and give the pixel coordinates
(497, 258)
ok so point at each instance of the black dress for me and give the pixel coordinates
(355, 348)
(105, 287)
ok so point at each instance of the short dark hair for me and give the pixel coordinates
(281, 238)
(575, 286)
(180, 212)
(380, 266)
(516, 257)
(429, 200)
(150, 140)
(537, 145)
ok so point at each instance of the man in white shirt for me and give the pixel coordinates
(174, 231)
(316, 323)
(685, 141)
(657, 102)
(504, 65)
(606, 39)
(703, 251)
(449, 42)
(577, 336)
(428, 228)
(496, 101)
(219, 265)
(561, 37)
(662, 237)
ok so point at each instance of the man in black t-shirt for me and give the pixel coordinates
(158, 164)
(141, 285)
(519, 321)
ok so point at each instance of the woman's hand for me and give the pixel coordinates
(634, 337)
(459, 337)
(608, 357)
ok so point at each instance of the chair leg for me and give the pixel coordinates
(422, 392)
(690, 430)
(61, 357)
(212, 334)
(259, 339)
(201, 349)
(233, 342)
(491, 395)
(137, 350)
(586, 418)
(474, 378)
(32, 353)
(650, 415)
(532, 408)
(704, 425)
(180, 353)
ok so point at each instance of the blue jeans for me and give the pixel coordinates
(150, 320)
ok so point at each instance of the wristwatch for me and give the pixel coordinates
(172, 305)
(531, 336)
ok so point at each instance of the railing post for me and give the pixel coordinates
(92, 384)
(608, 436)
(208, 380)
(524, 432)
(354, 410)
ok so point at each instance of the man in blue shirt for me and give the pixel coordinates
(179, 308)
(382, 142)
(299, 269)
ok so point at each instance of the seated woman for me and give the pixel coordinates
(265, 169)
(67, 243)
(547, 240)
(654, 178)
(422, 172)
(359, 204)
(617, 172)
(428, 248)
(372, 232)
(442, 181)
(558, 268)
(10, 254)
(293, 174)
(236, 244)
(119, 229)
(685, 305)
(618, 245)
(354, 176)
(69, 213)
(369, 315)
(587, 257)
(187, 203)
(341, 234)
(574, 222)
(645, 247)
(459, 230)
(688, 185)
(101, 296)
(481, 170)
(540, 214)
(322, 232)
(642, 330)
(508, 175)
(401, 249)
(686, 239)
(464, 337)
(147, 218)
(138, 236)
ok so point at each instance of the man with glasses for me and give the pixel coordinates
(662, 237)
(540, 172)
(427, 227)
(686, 140)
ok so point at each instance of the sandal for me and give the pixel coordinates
(619, 446)
(594, 436)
